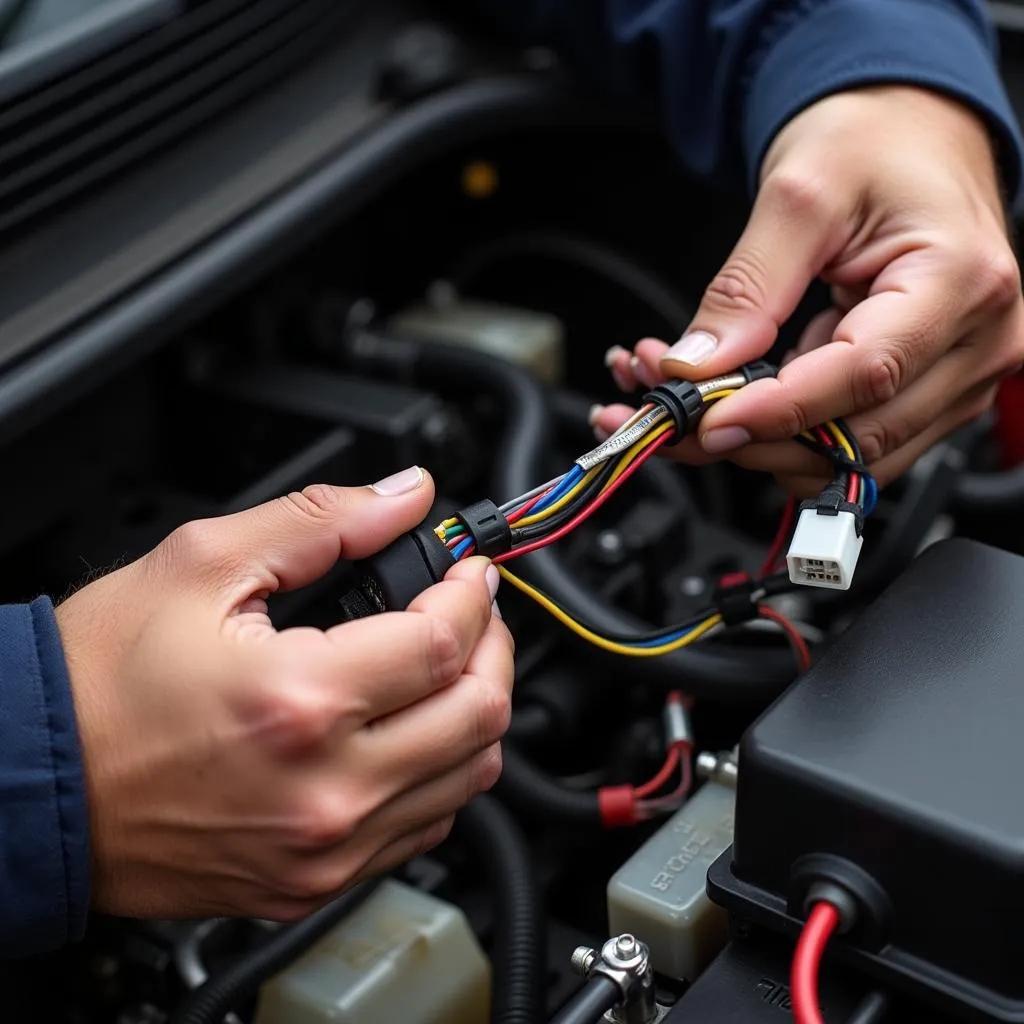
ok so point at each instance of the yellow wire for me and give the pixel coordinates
(716, 395)
(562, 501)
(624, 461)
(603, 642)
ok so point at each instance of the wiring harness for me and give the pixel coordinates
(826, 536)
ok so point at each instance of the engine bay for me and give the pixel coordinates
(857, 738)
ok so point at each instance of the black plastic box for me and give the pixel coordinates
(899, 762)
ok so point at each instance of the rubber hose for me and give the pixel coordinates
(531, 724)
(591, 1003)
(519, 958)
(222, 993)
(872, 1010)
(990, 492)
(705, 671)
(538, 796)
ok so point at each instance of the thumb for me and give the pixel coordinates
(292, 541)
(793, 233)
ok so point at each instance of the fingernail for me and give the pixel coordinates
(493, 579)
(724, 439)
(595, 411)
(612, 355)
(693, 349)
(399, 483)
(496, 611)
(641, 372)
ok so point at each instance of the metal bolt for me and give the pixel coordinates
(583, 958)
(625, 945)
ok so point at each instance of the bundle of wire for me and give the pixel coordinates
(554, 509)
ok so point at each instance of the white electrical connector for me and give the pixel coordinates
(824, 550)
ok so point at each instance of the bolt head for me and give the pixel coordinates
(625, 945)
(583, 958)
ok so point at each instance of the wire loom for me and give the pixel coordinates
(554, 509)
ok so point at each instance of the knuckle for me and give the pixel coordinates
(875, 441)
(881, 378)
(444, 651)
(739, 287)
(493, 713)
(323, 821)
(317, 501)
(1000, 279)
(489, 769)
(434, 835)
(198, 543)
(296, 717)
(792, 419)
(797, 195)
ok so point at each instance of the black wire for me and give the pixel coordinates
(536, 531)
(871, 1010)
(590, 1003)
(11, 13)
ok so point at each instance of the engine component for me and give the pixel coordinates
(747, 983)
(891, 775)
(620, 982)
(403, 955)
(660, 892)
(534, 341)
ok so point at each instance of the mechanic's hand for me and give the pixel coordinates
(233, 769)
(890, 196)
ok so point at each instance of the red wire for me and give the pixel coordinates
(800, 648)
(664, 774)
(591, 508)
(519, 513)
(775, 551)
(803, 982)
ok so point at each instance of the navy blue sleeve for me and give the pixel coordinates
(44, 822)
(726, 75)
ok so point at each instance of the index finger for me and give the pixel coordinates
(877, 350)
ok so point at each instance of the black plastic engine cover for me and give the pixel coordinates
(897, 764)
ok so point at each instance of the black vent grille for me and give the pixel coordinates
(77, 131)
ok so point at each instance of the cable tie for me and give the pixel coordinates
(488, 527)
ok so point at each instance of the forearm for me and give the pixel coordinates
(44, 835)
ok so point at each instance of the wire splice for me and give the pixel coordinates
(488, 528)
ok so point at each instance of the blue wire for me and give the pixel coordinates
(567, 483)
(461, 548)
(669, 638)
(871, 497)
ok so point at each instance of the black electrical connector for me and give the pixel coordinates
(485, 523)
(831, 502)
(682, 400)
(393, 578)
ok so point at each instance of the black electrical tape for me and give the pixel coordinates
(393, 578)
(735, 603)
(488, 527)
(828, 503)
(682, 401)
